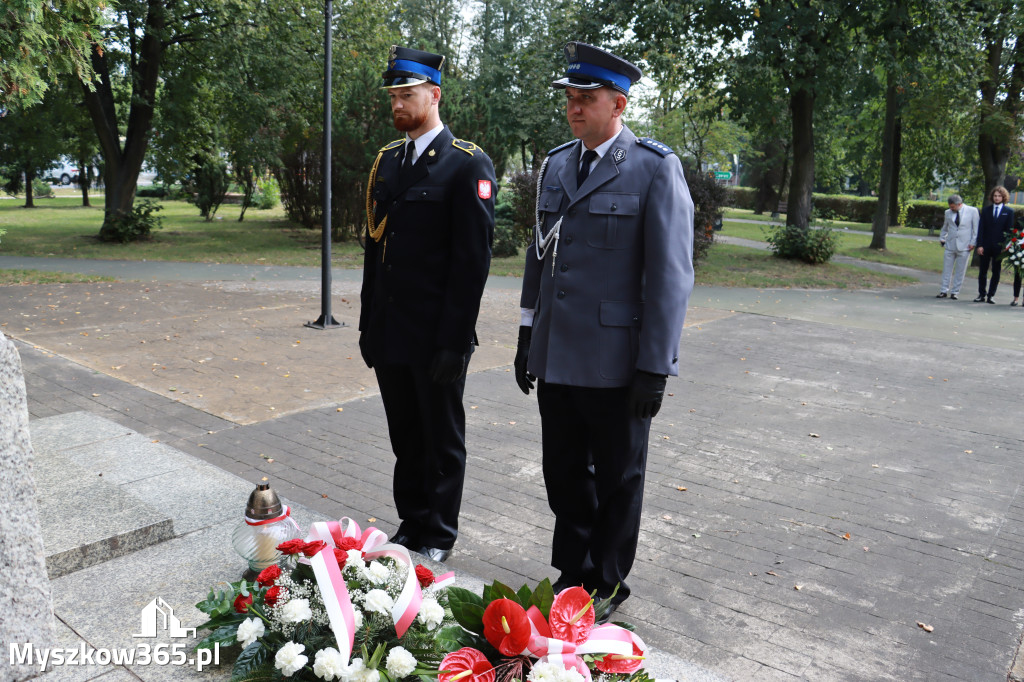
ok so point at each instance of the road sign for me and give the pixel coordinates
(723, 175)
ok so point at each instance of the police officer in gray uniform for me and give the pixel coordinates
(605, 290)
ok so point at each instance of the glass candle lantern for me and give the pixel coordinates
(266, 525)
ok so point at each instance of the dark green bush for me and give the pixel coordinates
(136, 226)
(41, 190)
(206, 184)
(709, 196)
(741, 197)
(505, 239)
(155, 191)
(813, 246)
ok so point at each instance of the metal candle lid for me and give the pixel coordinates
(263, 503)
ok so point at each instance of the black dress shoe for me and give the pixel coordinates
(404, 540)
(991, 301)
(435, 553)
(952, 297)
(980, 299)
(607, 615)
(1013, 303)
(942, 295)
(564, 582)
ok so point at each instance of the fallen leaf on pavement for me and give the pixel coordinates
(926, 628)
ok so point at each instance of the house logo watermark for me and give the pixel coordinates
(155, 619)
(158, 615)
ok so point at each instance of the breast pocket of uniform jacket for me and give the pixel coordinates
(613, 220)
(550, 205)
(619, 340)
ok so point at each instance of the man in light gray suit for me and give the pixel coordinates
(959, 235)
(604, 294)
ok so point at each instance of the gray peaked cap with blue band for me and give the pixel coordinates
(412, 67)
(591, 67)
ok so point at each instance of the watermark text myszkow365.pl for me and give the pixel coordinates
(141, 654)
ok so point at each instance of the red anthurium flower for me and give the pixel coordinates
(572, 615)
(348, 543)
(617, 663)
(342, 556)
(311, 548)
(242, 603)
(269, 575)
(506, 626)
(291, 546)
(272, 595)
(424, 575)
(466, 665)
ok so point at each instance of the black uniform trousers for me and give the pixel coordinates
(594, 460)
(984, 261)
(427, 425)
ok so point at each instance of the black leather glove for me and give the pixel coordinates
(646, 393)
(523, 377)
(447, 366)
(364, 350)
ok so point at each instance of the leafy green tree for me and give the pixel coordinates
(1002, 87)
(29, 145)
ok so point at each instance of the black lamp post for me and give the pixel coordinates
(326, 319)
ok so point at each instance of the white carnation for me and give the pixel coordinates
(289, 658)
(378, 601)
(355, 558)
(296, 611)
(357, 618)
(377, 573)
(329, 664)
(249, 630)
(551, 672)
(400, 662)
(431, 613)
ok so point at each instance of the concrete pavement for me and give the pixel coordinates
(831, 469)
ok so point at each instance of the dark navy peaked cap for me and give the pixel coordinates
(591, 67)
(412, 67)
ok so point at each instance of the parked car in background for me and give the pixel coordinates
(64, 171)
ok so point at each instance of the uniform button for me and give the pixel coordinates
(564, 267)
(561, 294)
(388, 268)
(423, 194)
(614, 207)
(545, 204)
(636, 318)
(568, 240)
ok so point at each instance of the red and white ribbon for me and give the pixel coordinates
(603, 639)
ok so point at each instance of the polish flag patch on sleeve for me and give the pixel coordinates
(483, 189)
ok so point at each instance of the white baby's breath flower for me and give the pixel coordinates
(329, 664)
(296, 611)
(431, 613)
(378, 601)
(249, 630)
(289, 658)
(400, 662)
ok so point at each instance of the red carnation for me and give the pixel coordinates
(424, 575)
(272, 595)
(269, 575)
(572, 615)
(341, 556)
(242, 603)
(617, 663)
(467, 664)
(311, 548)
(291, 546)
(348, 543)
(506, 626)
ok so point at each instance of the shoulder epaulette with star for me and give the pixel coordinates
(654, 145)
(561, 147)
(465, 145)
(394, 143)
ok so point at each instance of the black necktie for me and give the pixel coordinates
(407, 163)
(588, 158)
(957, 219)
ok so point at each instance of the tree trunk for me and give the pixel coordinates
(767, 176)
(801, 184)
(880, 224)
(897, 166)
(30, 176)
(122, 165)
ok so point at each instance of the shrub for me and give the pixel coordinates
(206, 184)
(137, 225)
(504, 229)
(708, 198)
(810, 246)
(267, 195)
(41, 190)
(523, 201)
(155, 191)
(741, 197)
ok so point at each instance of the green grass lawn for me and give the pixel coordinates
(921, 254)
(62, 227)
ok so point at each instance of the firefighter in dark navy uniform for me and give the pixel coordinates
(604, 295)
(430, 213)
